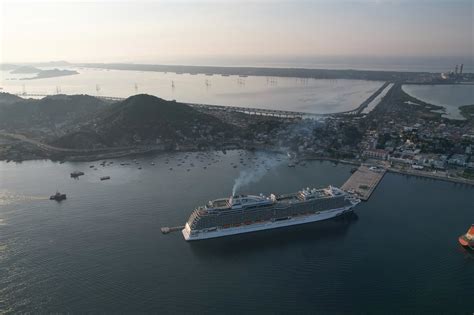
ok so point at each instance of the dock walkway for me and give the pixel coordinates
(364, 181)
(166, 230)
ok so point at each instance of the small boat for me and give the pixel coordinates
(58, 196)
(467, 240)
(105, 178)
(76, 174)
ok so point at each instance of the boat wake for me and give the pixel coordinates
(8, 197)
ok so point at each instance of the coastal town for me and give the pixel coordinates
(401, 134)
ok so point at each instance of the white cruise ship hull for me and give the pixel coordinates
(203, 234)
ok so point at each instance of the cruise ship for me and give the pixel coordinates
(251, 213)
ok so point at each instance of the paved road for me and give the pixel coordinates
(36, 143)
(50, 148)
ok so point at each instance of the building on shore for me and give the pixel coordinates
(378, 154)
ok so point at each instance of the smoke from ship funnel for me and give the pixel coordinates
(256, 172)
(298, 129)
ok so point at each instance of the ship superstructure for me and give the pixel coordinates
(467, 240)
(249, 213)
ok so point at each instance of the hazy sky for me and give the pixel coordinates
(161, 31)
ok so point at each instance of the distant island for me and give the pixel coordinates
(40, 73)
(43, 74)
(25, 69)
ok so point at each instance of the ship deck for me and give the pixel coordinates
(287, 198)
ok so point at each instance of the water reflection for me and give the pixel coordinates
(468, 253)
(8, 197)
(450, 96)
(310, 95)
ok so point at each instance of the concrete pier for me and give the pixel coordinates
(166, 230)
(364, 181)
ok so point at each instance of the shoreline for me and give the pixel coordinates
(416, 173)
(117, 155)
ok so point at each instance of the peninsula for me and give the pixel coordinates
(401, 133)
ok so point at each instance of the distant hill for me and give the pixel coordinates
(54, 63)
(144, 119)
(49, 112)
(85, 139)
(7, 98)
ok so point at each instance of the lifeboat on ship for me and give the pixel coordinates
(467, 240)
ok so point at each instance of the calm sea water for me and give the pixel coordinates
(451, 97)
(101, 250)
(307, 95)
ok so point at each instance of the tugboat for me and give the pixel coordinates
(467, 240)
(58, 196)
